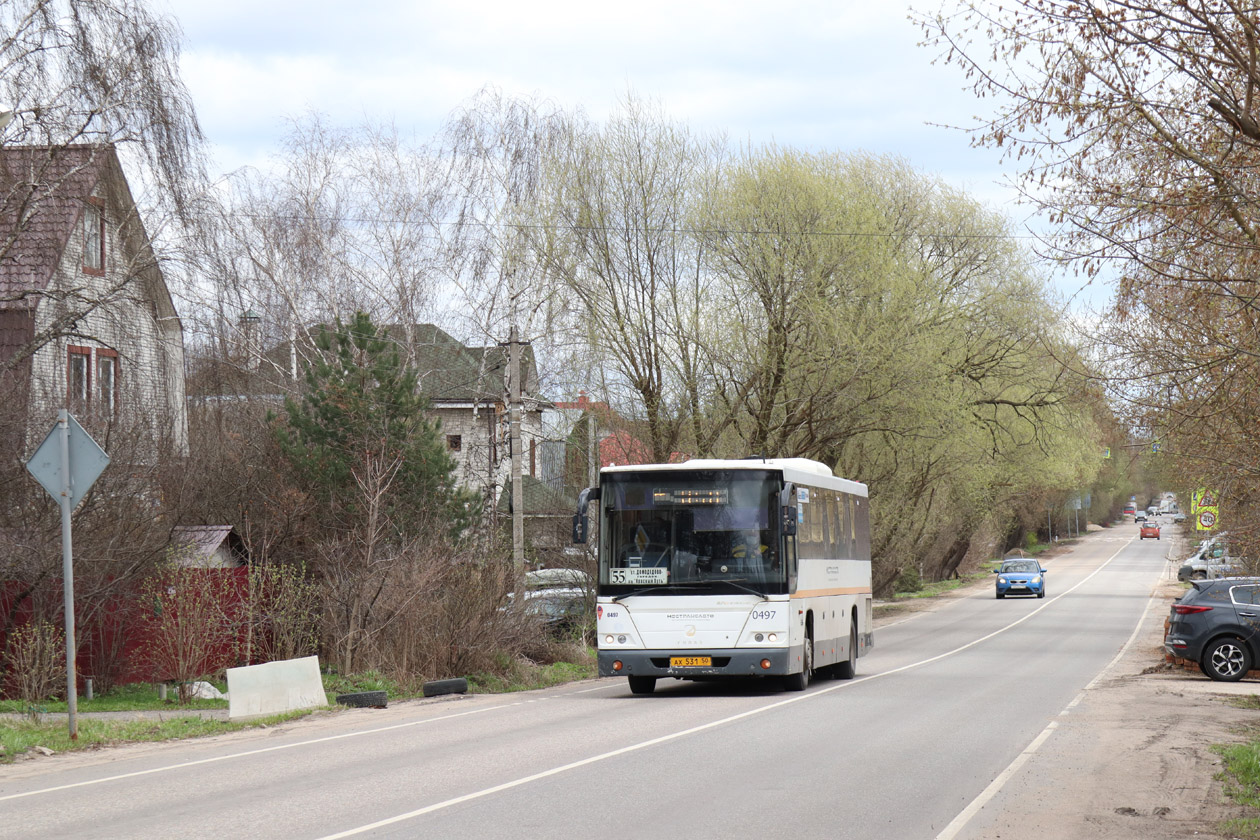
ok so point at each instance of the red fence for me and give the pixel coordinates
(116, 638)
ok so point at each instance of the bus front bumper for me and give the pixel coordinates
(722, 663)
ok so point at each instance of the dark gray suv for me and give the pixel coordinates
(1217, 624)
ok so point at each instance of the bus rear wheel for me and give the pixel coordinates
(642, 685)
(847, 670)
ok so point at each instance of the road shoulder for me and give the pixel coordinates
(1132, 757)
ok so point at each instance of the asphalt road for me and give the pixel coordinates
(942, 714)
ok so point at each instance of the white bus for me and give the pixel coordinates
(739, 568)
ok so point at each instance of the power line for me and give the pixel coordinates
(695, 231)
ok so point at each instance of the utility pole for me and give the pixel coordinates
(514, 413)
(592, 448)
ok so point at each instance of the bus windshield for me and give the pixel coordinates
(710, 531)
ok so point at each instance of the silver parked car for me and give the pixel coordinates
(1212, 560)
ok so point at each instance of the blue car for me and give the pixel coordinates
(1020, 577)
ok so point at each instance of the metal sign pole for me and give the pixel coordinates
(68, 446)
(67, 574)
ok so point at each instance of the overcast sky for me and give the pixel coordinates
(830, 75)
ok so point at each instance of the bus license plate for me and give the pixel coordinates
(691, 662)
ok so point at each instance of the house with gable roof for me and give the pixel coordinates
(208, 547)
(467, 388)
(86, 320)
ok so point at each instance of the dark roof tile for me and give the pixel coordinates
(42, 193)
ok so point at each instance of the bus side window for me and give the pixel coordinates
(828, 532)
(815, 518)
(848, 541)
(835, 550)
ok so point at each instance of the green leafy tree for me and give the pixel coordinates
(386, 509)
(359, 440)
(886, 324)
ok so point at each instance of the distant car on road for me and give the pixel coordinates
(1178, 517)
(1020, 577)
(1140, 516)
(1148, 529)
(1217, 624)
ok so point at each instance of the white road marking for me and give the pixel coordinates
(524, 780)
(277, 748)
(959, 822)
(573, 765)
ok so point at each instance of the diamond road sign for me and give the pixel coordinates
(87, 462)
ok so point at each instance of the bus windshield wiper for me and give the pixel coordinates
(647, 589)
(747, 589)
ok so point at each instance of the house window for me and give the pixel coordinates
(454, 442)
(107, 382)
(78, 377)
(93, 237)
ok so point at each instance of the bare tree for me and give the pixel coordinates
(498, 148)
(1134, 125)
(92, 76)
(193, 624)
(622, 200)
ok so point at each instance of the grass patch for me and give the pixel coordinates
(1245, 701)
(525, 676)
(1241, 779)
(125, 698)
(335, 684)
(20, 732)
(1241, 829)
(929, 590)
(18, 735)
(1242, 772)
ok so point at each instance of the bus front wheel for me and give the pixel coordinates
(642, 685)
(799, 682)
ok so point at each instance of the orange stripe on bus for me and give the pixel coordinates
(818, 593)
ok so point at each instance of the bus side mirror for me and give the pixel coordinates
(789, 520)
(581, 524)
(788, 511)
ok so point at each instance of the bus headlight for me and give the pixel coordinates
(608, 639)
(621, 640)
(759, 637)
(774, 637)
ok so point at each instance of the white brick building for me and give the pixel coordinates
(86, 320)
